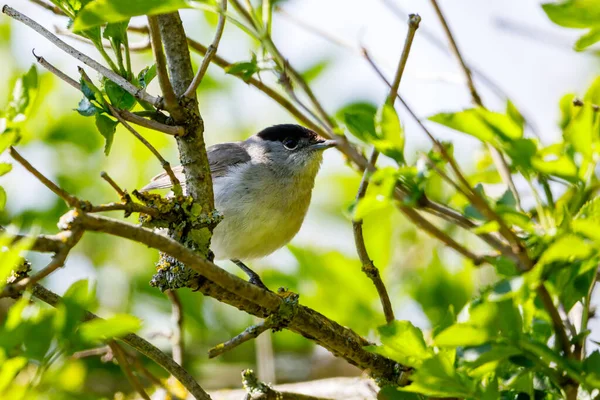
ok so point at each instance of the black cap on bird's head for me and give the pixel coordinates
(295, 137)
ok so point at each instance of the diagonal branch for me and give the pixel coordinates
(70, 200)
(128, 116)
(210, 52)
(70, 240)
(121, 357)
(138, 343)
(229, 288)
(497, 156)
(138, 93)
(357, 226)
(164, 163)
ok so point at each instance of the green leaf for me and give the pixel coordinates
(23, 94)
(585, 41)
(100, 12)
(485, 125)
(116, 31)
(5, 168)
(591, 365)
(437, 377)
(87, 109)
(574, 13)
(314, 71)
(435, 288)
(402, 342)
(566, 109)
(76, 300)
(104, 329)
(359, 119)
(579, 132)
(107, 128)
(514, 114)
(561, 166)
(118, 97)
(8, 138)
(244, 69)
(463, 335)
(146, 76)
(390, 135)
(9, 370)
(568, 248)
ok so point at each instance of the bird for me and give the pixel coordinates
(262, 186)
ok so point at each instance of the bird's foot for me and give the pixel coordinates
(253, 276)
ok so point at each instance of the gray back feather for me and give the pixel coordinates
(220, 157)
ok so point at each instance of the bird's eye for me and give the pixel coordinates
(290, 143)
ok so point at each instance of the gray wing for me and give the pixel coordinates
(220, 157)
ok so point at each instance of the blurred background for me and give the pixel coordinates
(512, 42)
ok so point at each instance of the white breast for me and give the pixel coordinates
(260, 215)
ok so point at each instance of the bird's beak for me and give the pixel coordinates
(324, 144)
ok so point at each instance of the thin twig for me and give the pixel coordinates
(164, 163)
(173, 130)
(368, 266)
(135, 47)
(168, 93)
(177, 328)
(98, 351)
(128, 207)
(104, 175)
(127, 115)
(284, 64)
(126, 368)
(138, 343)
(497, 156)
(435, 208)
(71, 239)
(253, 386)
(210, 53)
(483, 77)
(249, 333)
(69, 199)
(56, 10)
(107, 73)
(515, 250)
(42, 61)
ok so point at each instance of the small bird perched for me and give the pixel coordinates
(262, 186)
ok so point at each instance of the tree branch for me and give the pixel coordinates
(126, 115)
(70, 200)
(138, 343)
(250, 298)
(138, 93)
(126, 368)
(164, 163)
(169, 96)
(497, 157)
(249, 333)
(367, 264)
(210, 53)
(71, 239)
(192, 148)
(177, 328)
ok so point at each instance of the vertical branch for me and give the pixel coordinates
(177, 329)
(368, 267)
(497, 157)
(161, 68)
(210, 53)
(192, 149)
